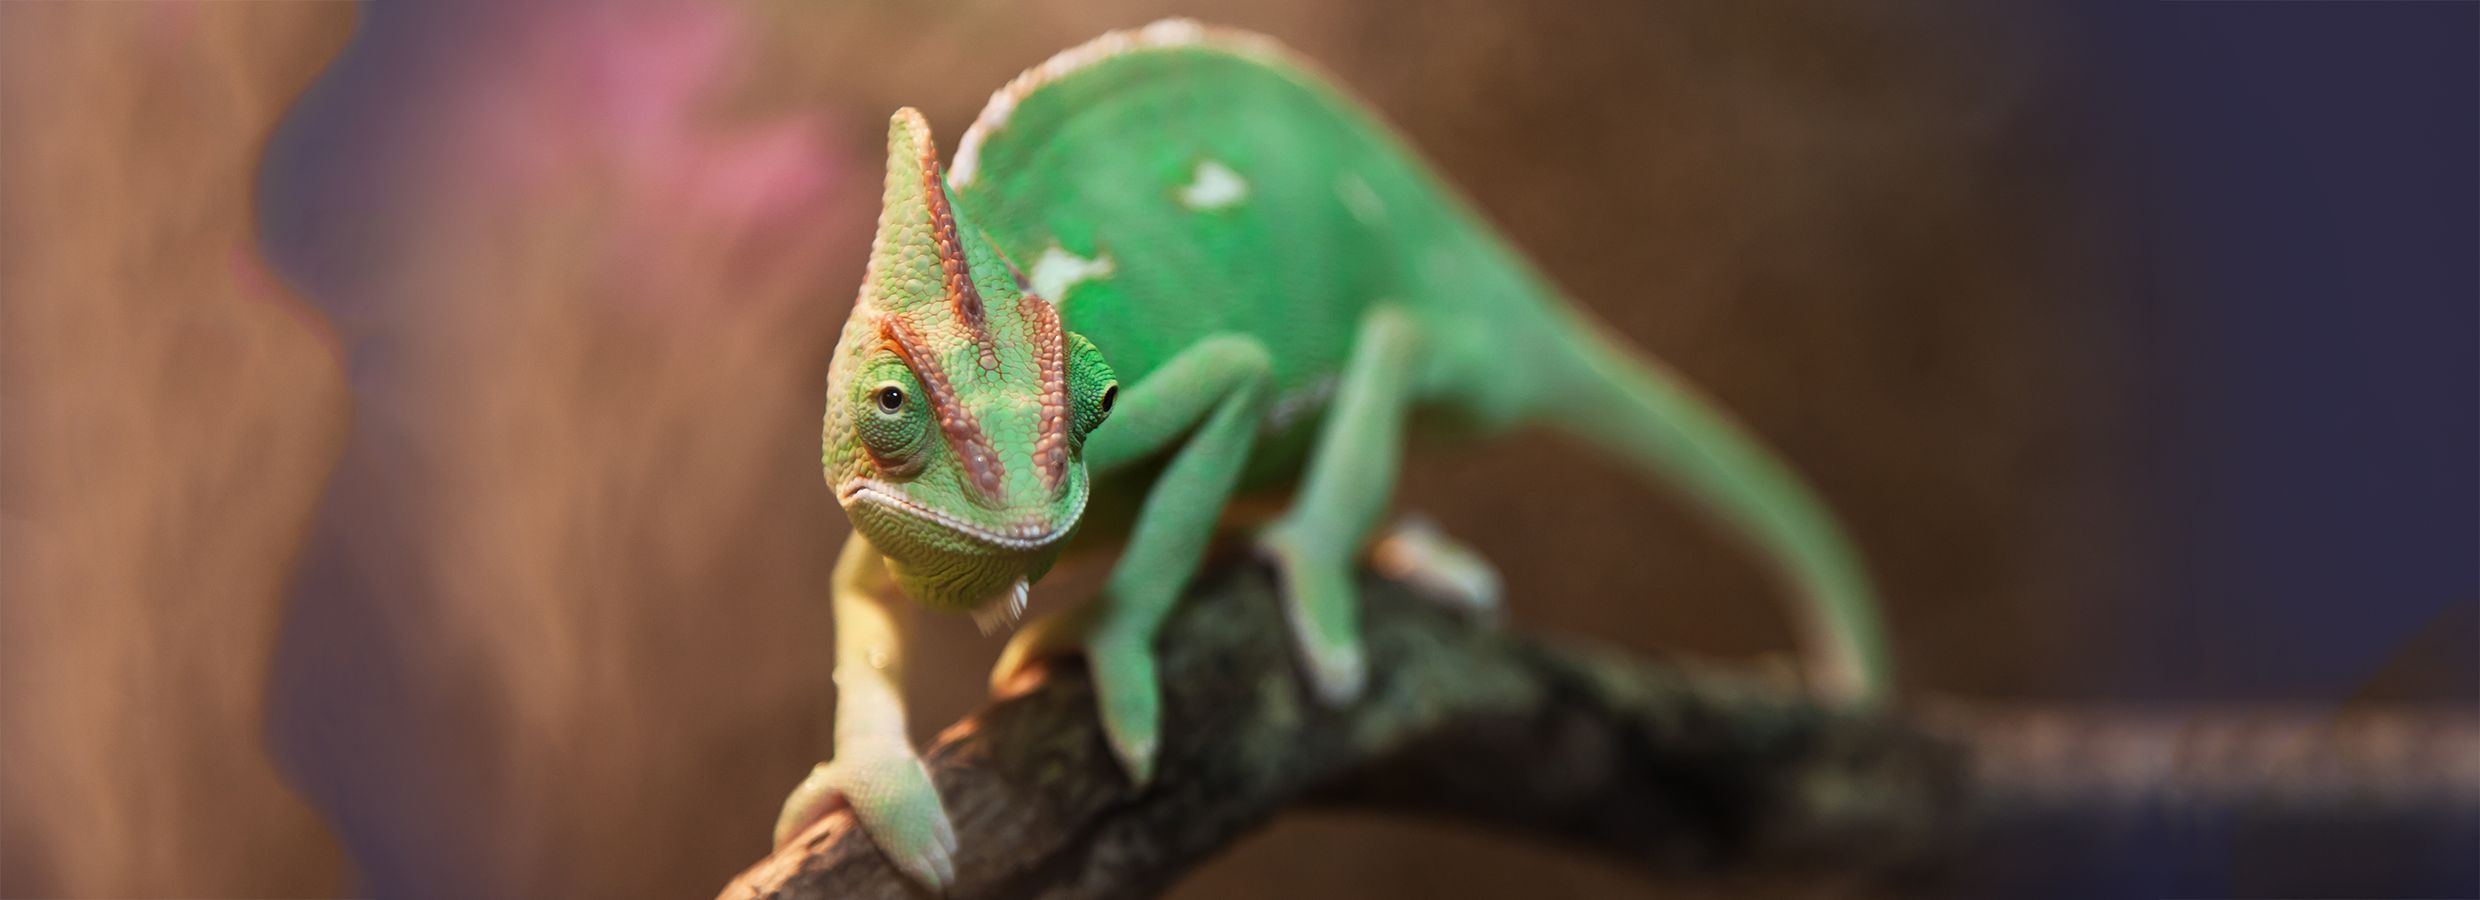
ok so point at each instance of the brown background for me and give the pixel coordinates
(558, 628)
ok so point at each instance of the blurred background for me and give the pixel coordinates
(409, 422)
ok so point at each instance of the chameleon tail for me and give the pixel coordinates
(1633, 406)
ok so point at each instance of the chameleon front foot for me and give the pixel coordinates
(890, 791)
(1322, 605)
(1125, 691)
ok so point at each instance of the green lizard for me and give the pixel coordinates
(1283, 289)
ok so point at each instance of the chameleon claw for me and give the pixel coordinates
(1321, 604)
(811, 801)
(1128, 700)
(1131, 703)
(890, 792)
(1136, 756)
(1337, 673)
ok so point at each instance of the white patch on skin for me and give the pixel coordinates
(1216, 186)
(1296, 404)
(1163, 34)
(1059, 270)
(1358, 198)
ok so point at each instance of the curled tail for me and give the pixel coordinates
(1635, 408)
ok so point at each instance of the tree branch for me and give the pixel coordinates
(1673, 769)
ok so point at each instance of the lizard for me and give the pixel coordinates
(1177, 266)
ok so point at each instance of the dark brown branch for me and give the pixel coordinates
(1676, 771)
(2274, 762)
(1671, 769)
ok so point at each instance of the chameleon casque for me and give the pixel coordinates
(1174, 266)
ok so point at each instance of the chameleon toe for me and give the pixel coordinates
(1131, 704)
(900, 808)
(1337, 673)
(811, 801)
(1322, 605)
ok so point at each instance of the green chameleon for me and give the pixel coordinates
(1283, 289)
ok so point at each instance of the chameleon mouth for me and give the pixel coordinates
(1022, 536)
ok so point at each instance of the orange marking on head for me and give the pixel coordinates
(981, 464)
(1050, 353)
(957, 276)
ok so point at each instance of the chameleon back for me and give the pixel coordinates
(1178, 181)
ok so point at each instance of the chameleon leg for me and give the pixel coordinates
(1342, 494)
(1415, 552)
(1222, 381)
(875, 768)
(1052, 635)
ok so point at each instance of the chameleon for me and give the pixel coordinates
(1173, 268)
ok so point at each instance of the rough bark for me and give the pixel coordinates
(1673, 768)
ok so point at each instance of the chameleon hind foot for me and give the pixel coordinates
(1414, 551)
(1050, 637)
(1125, 692)
(891, 793)
(1322, 606)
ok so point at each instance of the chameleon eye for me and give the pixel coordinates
(1092, 387)
(893, 428)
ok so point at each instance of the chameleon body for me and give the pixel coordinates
(1169, 268)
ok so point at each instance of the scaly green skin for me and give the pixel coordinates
(1284, 289)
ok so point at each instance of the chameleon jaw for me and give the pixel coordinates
(1024, 537)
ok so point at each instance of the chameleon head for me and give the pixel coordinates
(957, 403)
